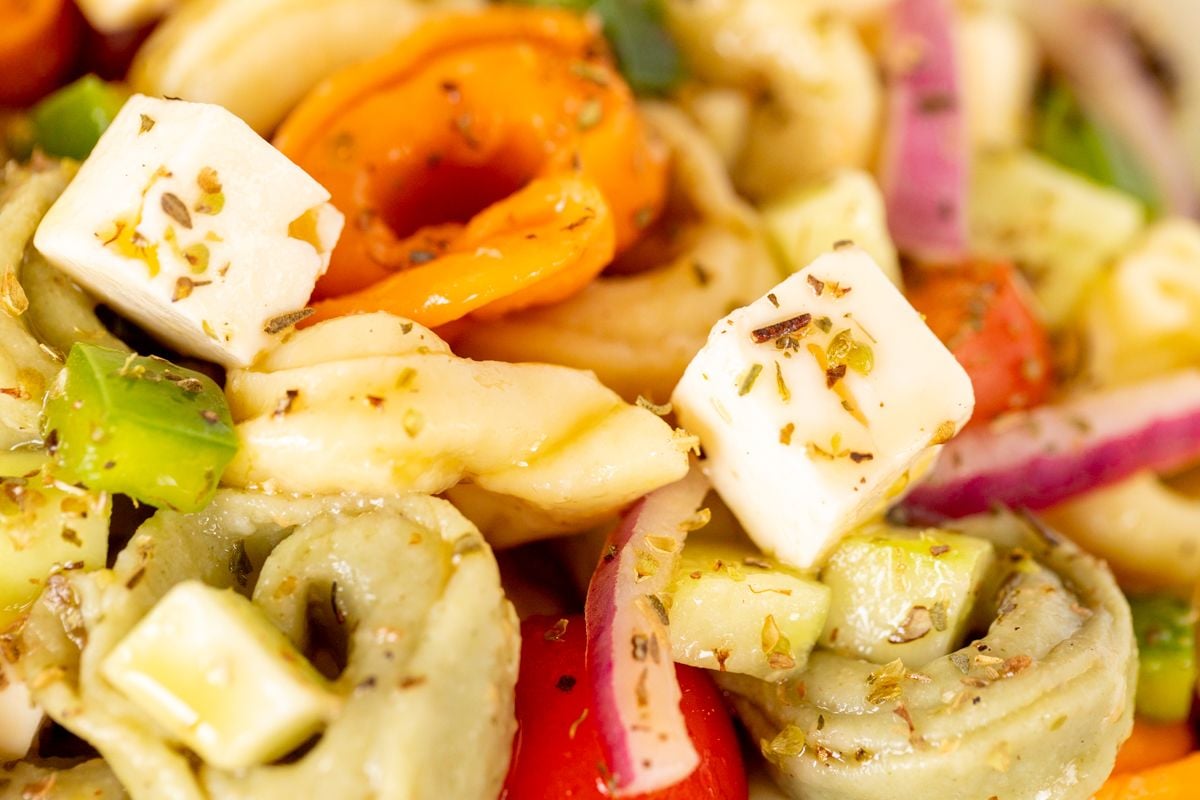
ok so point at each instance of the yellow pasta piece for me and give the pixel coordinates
(376, 404)
(1141, 318)
(423, 703)
(1148, 532)
(258, 57)
(822, 103)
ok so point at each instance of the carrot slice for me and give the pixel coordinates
(1152, 744)
(460, 116)
(1177, 780)
(38, 39)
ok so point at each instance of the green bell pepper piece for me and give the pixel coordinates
(69, 122)
(1166, 636)
(139, 426)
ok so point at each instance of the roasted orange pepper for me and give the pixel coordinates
(38, 39)
(539, 245)
(1176, 780)
(1152, 744)
(476, 134)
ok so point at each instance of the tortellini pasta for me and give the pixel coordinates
(230, 52)
(815, 93)
(1141, 318)
(405, 586)
(1043, 699)
(639, 331)
(386, 401)
(1146, 530)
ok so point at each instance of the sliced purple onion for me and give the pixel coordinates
(925, 151)
(635, 691)
(1039, 457)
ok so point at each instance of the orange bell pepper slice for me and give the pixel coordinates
(512, 255)
(1152, 744)
(1178, 780)
(450, 125)
(38, 39)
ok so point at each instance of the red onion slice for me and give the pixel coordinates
(635, 692)
(925, 151)
(1102, 65)
(1036, 458)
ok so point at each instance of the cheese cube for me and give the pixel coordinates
(817, 403)
(209, 668)
(189, 223)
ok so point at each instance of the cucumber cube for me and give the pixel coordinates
(140, 426)
(1166, 636)
(214, 672)
(735, 610)
(44, 527)
(846, 206)
(902, 594)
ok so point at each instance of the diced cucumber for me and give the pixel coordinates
(1166, 636)
(44, 526)
(902, 594)
(140, 426)
(1059, 227)
(69, 122)
(213, 671)
(735, 610)
(847, 206)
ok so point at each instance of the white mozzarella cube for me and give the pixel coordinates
(189, 223)
(817, 403)
(20, 719)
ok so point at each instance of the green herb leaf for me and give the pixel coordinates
(646, 54)
(1066, 134)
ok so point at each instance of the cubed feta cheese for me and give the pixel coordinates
(817, 403)
(212, 670)
(188, 222)
(20, 720)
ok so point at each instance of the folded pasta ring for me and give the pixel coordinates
(1042, 699)
(427, 689)
(459, 117)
